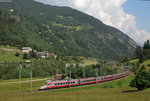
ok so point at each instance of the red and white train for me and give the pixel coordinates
(84, 81)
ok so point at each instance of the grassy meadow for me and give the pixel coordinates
(110, 91)
(146, 63)
(9, 55)
(89, 62)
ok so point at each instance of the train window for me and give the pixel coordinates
(73, 82)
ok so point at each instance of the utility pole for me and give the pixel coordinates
(70, 74)
(101, 71)
(57, 74)
(30, 73)
(20, 67)
(31, 82)
(84, 75)
(57, 71)
(97, 75)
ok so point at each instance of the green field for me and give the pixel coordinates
(110, 91)
(26, 86)
(9, 55)
(103, 94)
(146, 63)
(89, 62)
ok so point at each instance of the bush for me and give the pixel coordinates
(26, 56)
(17, 54)
(141, 80)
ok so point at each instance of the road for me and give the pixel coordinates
(7, 49)
(22, 81)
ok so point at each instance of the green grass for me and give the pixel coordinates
(109, 94)
(146, 63)
(83, 93)
(134, 61)
(9, 56)
(89, 62)
(36, 84)
(25, 86)
(14, 87)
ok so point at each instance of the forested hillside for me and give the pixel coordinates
(61, 30)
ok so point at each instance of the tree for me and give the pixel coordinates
(146, 49)
(126, 59)
(135, 67)
(141, 80)
(26, 56)
(141, 58)
(17, 54)
(146, 45)
(33, 54)
(138, 51)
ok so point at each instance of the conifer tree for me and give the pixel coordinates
(141, 80)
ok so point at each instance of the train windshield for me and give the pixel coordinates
(48, 83)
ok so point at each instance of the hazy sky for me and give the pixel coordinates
(130, 16)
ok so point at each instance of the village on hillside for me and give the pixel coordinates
(43, 54)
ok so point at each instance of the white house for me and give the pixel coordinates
(26, 49)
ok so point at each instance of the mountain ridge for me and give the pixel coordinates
(63, 30)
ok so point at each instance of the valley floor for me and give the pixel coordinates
(103, 94)
(110, 91)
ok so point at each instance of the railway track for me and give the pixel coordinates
(40, 91)
(34, 91)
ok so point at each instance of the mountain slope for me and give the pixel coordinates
(61, 30)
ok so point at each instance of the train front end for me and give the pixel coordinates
(45, 86)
